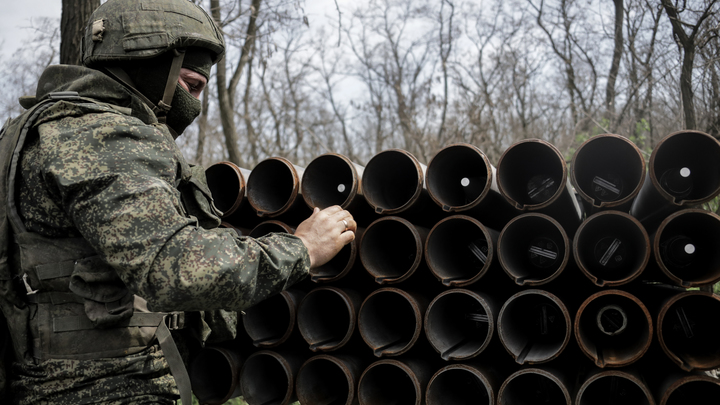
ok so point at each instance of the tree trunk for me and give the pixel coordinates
(75, 15)
(615, 65)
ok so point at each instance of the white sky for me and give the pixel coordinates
(16, 14)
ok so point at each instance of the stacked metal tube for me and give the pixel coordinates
(528, 282)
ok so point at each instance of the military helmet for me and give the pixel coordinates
(124, 30)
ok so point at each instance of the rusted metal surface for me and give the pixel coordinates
(460, 323)
(688, 327)
(390, 320)
(608, 172)
(533, 249)
(327, 317)
(532, 176)
(459, 177)
(391, 249)
(268, 377)
(273, 187)
(532, 386)
(227, 185)
(611, 248)
(331, 179)
(613, 328)
(534, 326)
(271, 322)
(270, 226)
(614, 387)
(214, 375)
(459, 250)
(683, 171)
(391, 381)
(689, 389)
(326, 379)
(394, 181)
(686, 247)
(461, 384)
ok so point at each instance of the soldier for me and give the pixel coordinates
(106, 231)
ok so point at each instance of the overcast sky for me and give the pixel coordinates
(15, 18)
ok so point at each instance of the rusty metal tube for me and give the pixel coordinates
(270, 322)
(390, 381)
(341, 264)
(683, 172)
(273, 189)
(226, 182)
(266, 227)
(613, 328)
(268, 377)
(325, 379)
(686, 247)
(611, 248)
(533, 249)
(460, 323)
(689, 389)
(331, 179)
(532, 386)
(214, 375)
(459, 250)
(689, 330)
(608, 172)
(391, 249)
(390, 320)
(614, 387)
(461, 384)
(394, 181)
(327, 317)
(534, 326)
(532, 176)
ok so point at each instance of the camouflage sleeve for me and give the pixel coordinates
(116, 178)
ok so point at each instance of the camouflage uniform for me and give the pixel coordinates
(108, 173)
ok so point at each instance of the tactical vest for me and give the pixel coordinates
(61, 301)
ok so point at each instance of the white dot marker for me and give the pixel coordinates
(689, 248)
(341, 188)
(465, 182)
(685, 172)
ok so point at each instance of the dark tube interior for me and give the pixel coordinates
(688, 248)
(614, 329)
(265, 380)
(700, 154)
(266, 228)
(532, 248)
(533, 327)
(389, 249)
(271, 186)
(226, 186)
(614, 389)
(458, 325)
(530, 173)
(457, 176)
(691, 330)
(324, 319)
(459, 386)
(694, 392)
(608, 169)
(458, 250)
(612, 248)
(269, 321)
(211, 376)
(331, 270)
(532, 388)
(390, 180)
(387, 384)
(387, 322)
(322, 381)
(327, 180)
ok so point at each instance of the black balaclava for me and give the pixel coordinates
(151, 75)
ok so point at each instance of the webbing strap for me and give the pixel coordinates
(54, 298)
(55, 270)
(81, 322)
(175, 362)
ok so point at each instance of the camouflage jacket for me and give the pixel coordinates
(109, 173)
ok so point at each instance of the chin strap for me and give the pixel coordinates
(163, 106)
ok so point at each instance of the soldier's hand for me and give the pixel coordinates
(325, 233)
